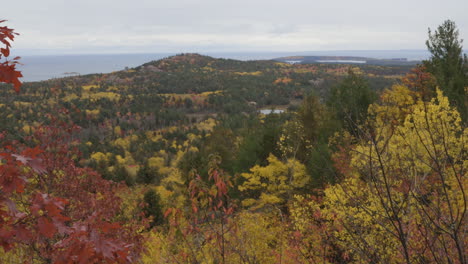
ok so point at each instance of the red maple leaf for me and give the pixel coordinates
(8, 72)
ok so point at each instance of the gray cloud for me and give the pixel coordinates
(244, 25)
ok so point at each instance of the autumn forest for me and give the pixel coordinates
(194, 159)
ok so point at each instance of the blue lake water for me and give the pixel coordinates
(36, 68)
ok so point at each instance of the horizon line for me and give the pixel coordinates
(52, 53)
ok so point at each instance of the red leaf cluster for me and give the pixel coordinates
(420, 80)
(8, 72)
(67, 212)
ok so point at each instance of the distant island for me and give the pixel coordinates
(345, 60)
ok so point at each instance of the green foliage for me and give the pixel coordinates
(313, 117)
(237, 186)
(120, 173)
(152, 208)
(158, 126)
(221, 142)
(148, 175)
(305, 138)
(350, 100)
(259, 140)
(448, 64)
(320, 166)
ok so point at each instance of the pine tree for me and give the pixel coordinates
(448, 64)
(153, 207)
(350, 100)
(147, 175)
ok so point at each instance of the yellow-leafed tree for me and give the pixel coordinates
(404, 197)
(274, 182)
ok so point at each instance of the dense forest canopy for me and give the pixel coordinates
(173, 162)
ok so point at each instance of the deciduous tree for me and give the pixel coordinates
(404, 198)
(8, 71)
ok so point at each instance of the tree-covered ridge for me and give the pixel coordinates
(132, 115)
(181, 85)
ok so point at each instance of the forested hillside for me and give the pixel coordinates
(173, 162)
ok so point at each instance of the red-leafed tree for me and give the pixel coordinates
(420, 80)
(56, 211)
(8, 72)
(52, 209)
(208, 222)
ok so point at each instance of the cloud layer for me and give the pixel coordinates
(118, 26)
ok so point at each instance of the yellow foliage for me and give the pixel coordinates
(207, 125)
(113, 88)
(174, 144)
(250, 238)
(22, 104)
(396, 104)
(303, 70)
(206, 94)
(156, 162)
(122, 142)
(191, 137)
(174, 186)
(192, 149)
(177, 158)
(256, 73)
(274, 181)
(89, 87)
(92, 113)
(19, 255)
(120, 160)
(208, 69)
(117, 130)
(284, 80)
(27, 129)
(155, 249)
(407, 177)
(98, 156)
(132, 170)
(99, 95)
(159, 164)
(70, 97)
(356, 70)
(176, 96)
(258, 236)
(131, 199)
(283, 65)
(155, 136)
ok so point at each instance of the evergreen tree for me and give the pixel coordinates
(448, 64)
(147, 175)
(350, 100)
(320, 166)
(153, 207)
(120, 173)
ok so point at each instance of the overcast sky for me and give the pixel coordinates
(155, 26)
